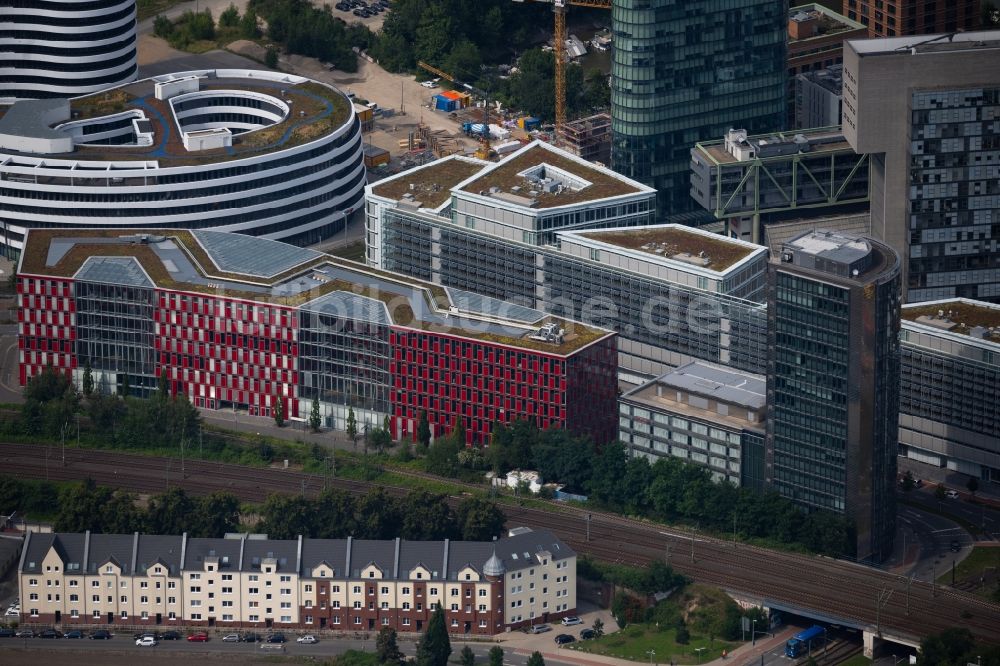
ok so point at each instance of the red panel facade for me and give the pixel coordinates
(223, 350)
(483, 382)
(46, 326)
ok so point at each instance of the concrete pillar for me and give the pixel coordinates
(871, 643)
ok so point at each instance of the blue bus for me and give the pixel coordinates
(802, 642)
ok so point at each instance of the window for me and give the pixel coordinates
(33, 582)
(143, 600)
(286, 579)
(406, 621)
(482, 592)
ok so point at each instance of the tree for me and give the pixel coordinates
(380, 439)
(378, 516)
(215, 515)
(163, 385)
(279, 411)
(598, 628)
(271, 58)
(435, 647)
(479, 519)
(352, 427)
(442, 456)
(169, 512)
(496, 656)
(120, 515)
(683, 635)
(88, 379)
(162, 27)
(81, 507)
(315, 420)
(467, 657)
(953, 646)
(940, 493)
(230, 17)
(536, 659)
(424, 431)
(908, 482)
(434, 35)
(124, 389)
(287, 516)
(427, 517)
(386, 647)
(972, 485)
(248, 25)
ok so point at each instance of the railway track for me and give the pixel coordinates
(835, 588)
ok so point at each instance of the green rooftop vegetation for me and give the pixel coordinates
(504, 177)
(965, 316)
(720, 252)
(430, 185)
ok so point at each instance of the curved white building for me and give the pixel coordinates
(64, 48)
(261, 153)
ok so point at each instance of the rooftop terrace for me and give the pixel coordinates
(590, 182)
(265, 271)
(315, 109)
(828, 22)
(961, 316)
(677, 243)
(429, 185)
(779, 145)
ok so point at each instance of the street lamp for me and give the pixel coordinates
(651, 653)
(753, 631)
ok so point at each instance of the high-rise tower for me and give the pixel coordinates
(65, 48)
(833, 381)
(684, 72)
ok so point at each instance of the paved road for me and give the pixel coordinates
(215, 647)
(981, 514)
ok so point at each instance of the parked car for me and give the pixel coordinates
(563, 639)
(146, 633)
(200, 637)
(76, 633)
(231, 638)
(538, 629)
(427, 84)
(25, 633)
(276, 638)
(570, 620)
(308, 639)
(250, 638)
(49, 633)
(100, 635)
(587, 634)
(951, 494)
(171, 636)
(6, 633)
(146, 641)
(13, 611)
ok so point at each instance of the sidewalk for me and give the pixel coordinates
(988, 493)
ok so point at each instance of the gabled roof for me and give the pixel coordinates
(428, 554)
(331, 552)
(116, 548)
(284, 552)
(367, 552)
(226, 550)
(155, 548)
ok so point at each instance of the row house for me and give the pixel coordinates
(250, 581)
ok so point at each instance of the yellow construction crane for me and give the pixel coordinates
(484, 136)
(559, 9)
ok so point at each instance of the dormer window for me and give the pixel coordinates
(109, 569)
(420, 574)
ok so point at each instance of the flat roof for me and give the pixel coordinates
(314, 109)
(961, 316)
(665, 242)
(21, 118)
(507, 178)
(831, 22)
(256, 269)
(712, 382)
(821, 140)
(831, 245)
(428, 185)
(959, 41)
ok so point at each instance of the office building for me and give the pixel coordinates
(949, 416)
(684, 72)
(261, 153)
(816, 36)
(833, 381)
(748, 181)
(673, 293)
(925, 108)
(703, 414)
(819, 98)
(891, 18)
(247, 581)
(65, 48)
(241, 323)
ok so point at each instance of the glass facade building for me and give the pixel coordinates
(949, 415)
(833, 381)
(684, 72)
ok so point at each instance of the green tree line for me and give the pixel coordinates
(669, 490)
(307, 30)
